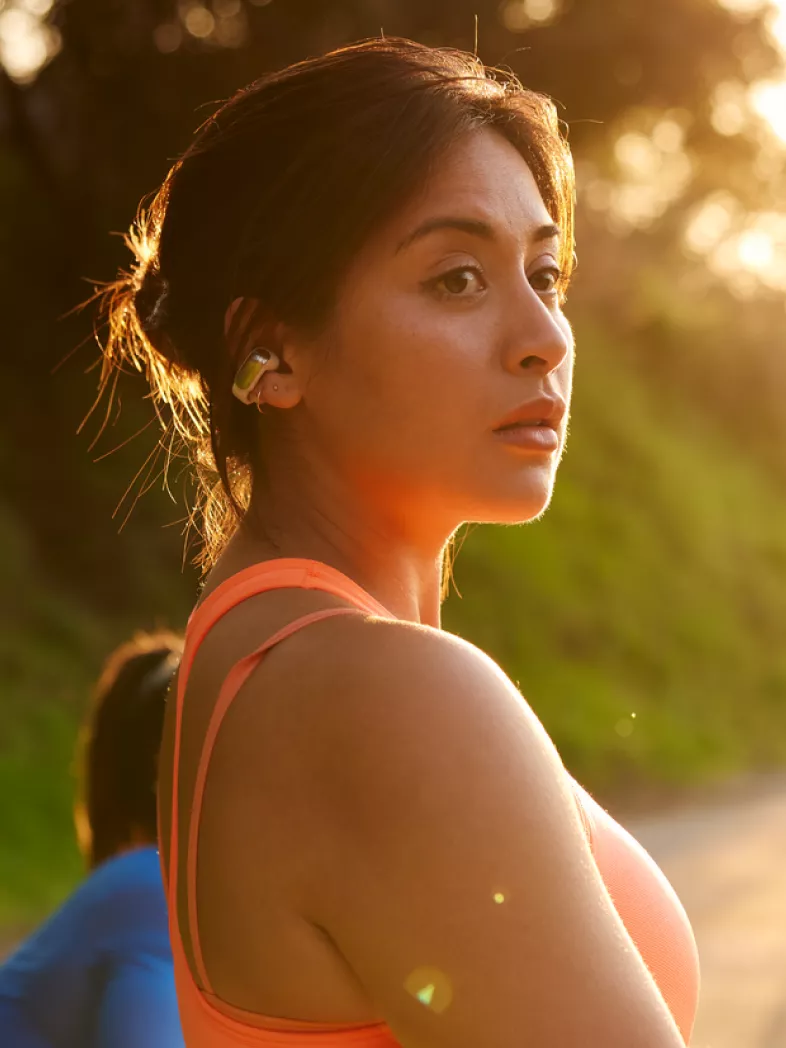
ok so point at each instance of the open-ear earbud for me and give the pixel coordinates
(251, 371)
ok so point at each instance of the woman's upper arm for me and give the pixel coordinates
(451, 868)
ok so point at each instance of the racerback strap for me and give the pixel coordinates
(281, 574)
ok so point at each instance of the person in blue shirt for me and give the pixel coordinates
(98, 973)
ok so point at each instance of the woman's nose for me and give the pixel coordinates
(542, 340)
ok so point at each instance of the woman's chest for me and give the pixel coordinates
(649, 908)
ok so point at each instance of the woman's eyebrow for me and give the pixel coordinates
(473, 226)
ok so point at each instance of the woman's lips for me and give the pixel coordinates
(532, 436)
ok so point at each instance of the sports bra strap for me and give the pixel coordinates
(235, 679)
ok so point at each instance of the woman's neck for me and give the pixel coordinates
(405, 576)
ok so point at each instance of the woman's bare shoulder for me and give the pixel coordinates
(374, 674)
(380, 706)
(446, 852)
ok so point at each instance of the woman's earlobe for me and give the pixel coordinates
(279, 390)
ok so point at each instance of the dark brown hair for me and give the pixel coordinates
(276, 193)
(119, 745)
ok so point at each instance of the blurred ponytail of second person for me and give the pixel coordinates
(117, 752)
(98, 973)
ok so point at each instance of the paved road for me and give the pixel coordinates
(727, 861)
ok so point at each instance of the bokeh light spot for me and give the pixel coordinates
(520, 15)
(730, 108)
(624, 727)
(756, 249)
(753, 255)
(637, 153)
(777, 21)
(199, 21)
(769, 101)
(167, 37)
(744, 7)
(27, 42)
(710, 222)
(232, 29)
(668, 136)
(39, 8)
(653, 172)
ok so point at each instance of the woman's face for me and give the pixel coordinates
(447, 326)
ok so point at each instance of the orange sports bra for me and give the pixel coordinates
(644, 899)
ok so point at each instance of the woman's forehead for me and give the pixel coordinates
(482, 179)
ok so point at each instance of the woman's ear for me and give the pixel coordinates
(284, 386)
(248, 331)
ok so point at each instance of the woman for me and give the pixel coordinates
(98, 974)
(372, 249)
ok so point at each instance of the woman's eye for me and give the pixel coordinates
(546, 281)
(459, 283)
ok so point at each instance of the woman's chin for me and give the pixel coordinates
(520, 515)
(529, 502)
(519, 511)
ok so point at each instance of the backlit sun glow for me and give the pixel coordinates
(756, 243)
(769, 101)
(653, 167)
(768, 97)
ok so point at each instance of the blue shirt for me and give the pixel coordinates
(98, 973)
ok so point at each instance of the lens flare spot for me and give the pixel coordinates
(499, 897)
(426, 995)
(624, 727)
(431, 987)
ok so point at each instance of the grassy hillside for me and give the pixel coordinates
(655, 586)
(643, 615)
(48, 648)
(51, 649)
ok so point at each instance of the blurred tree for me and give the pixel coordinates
(97, 97)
